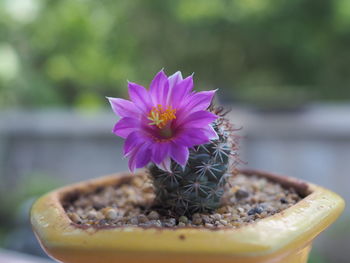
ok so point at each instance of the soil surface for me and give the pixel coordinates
(246, 199)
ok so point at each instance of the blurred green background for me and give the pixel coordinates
(267, 53)
(70, 54)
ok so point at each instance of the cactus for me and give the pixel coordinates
(160, 125)
(199, 186)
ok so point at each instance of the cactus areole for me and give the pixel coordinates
(186, 143)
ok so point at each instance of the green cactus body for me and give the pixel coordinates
(199, 186)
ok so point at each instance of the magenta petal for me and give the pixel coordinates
(165, 164)
(175, 79)
(186, 84)
(123, 108)
(125, 126)
(180, 91)
(134, 139)
(140, 97)
(211, 133)
(132, 160)
(191, 137)
(179, 153)
(139, 156)
(160, 150)
(200, 101)
(159, 89)
(143, 155)
(196, 119)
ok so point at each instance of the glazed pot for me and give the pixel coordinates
(284, 237)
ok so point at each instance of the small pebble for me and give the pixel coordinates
(223, 222)
(169, 222)
(99, 215)
(92, 214)
(206, 218)
(227, 215)
(240, 209)
(216, 216)
(254, 199)
(234, 217)
(110, 213)
(97, 203)
(154, 223)
(196, 215)
(142, 218)
(222, 210)
(197, 220)
(153, 215)
(183, 219)
(103, 222)
(284, 200)
(255, 210)
(240, 194)
(75, 218)
(134, 220)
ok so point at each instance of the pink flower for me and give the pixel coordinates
(162, 123)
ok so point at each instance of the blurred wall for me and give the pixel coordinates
(311, 144)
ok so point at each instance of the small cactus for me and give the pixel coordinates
(189, 143)
(199, 186)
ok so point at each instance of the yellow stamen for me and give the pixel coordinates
(161, 117)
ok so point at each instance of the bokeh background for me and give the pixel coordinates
(283, 67)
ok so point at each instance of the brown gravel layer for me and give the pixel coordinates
(247, 199)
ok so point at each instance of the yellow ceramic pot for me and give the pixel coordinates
(284, 237)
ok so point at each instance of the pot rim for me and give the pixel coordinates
(283, 231)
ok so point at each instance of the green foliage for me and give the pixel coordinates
(316, 257)
(31, 187)
(199, 186)
(69, 53)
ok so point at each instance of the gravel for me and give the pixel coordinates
(246, 199)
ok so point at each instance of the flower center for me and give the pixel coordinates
(161, 116)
